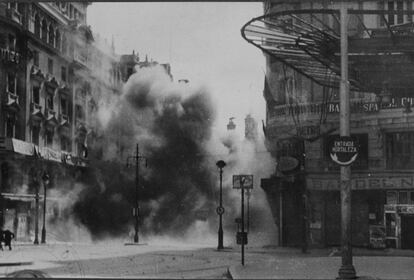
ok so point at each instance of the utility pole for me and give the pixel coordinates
(347, 270)
(136, 157)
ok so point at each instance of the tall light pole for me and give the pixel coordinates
(347, 270)
(46, 181)
(220, 209)
(136, 157)
(36, 240)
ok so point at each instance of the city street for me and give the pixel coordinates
(178, 260)
(120, 260)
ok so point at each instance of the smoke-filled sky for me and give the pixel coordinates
(201, 41)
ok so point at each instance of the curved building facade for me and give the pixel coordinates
(300, 40)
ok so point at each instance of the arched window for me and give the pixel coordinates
(37, 26)
(51, 35)
(44, 30)
(58, 39)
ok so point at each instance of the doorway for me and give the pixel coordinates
(407, 232)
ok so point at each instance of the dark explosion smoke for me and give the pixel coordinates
(171, 123)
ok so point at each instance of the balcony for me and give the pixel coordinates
(12, 103)
(36, 112)
(64, 120)
(9, 55)
(14, 15)
(80, 58)
(50, 119)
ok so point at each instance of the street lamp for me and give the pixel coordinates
(35, 181)
(46, 182)
(220, 209)
(136, 157)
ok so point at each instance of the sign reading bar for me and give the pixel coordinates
(243, 181)
(344, 150)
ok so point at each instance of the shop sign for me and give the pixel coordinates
(368, 183)
(286, 164)
(405, 209)
(344, 150)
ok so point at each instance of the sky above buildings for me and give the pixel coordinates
(201, 41)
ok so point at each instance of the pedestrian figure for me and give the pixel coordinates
(8, 236)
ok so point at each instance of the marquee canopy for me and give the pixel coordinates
(380, 58)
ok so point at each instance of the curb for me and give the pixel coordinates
(15, 263)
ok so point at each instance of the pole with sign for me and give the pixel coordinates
(242, 182)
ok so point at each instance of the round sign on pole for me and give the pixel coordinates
(220, 210)
(344, 150)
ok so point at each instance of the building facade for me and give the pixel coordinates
(53, 72)
(303, 119)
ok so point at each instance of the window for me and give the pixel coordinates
(10, 127)
(58, 46)
(400, 150)
(37, 26)
(35, 135)
(51, 35)
(36, 58)
(390, 6)
(63, 73)
(65, 144)
(44, 30)
(12, 42)
(79, 112)
(11, 83)
(49, 101)
(49, 139)
(36, 94)
(391, 197)
(398, 6)
(403, 197)
(361, 161)
(50, 66)
(64, 109)
(64, 44)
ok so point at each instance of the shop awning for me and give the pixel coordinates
(45, 153)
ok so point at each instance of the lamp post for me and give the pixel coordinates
(136, 157)
(220, 209)
(45, 184)
(36, 240)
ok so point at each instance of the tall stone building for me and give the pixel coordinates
(302, 106)
(52, 74)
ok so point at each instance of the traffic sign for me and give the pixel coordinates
(344, 150)
(220, 210)
(243, 181)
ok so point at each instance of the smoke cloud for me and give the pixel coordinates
(172, 124)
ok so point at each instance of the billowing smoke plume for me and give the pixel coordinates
(172, 124)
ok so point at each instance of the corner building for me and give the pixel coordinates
(301, 90)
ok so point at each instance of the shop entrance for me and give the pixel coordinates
(407, 231)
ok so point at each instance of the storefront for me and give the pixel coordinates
(22, 167)
(382, 209)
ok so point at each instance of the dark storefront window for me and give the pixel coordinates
(400, 150)
(35, 135)
(362, 160)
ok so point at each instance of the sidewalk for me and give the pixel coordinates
(288, 263)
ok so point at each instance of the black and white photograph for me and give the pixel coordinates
(189, 139)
